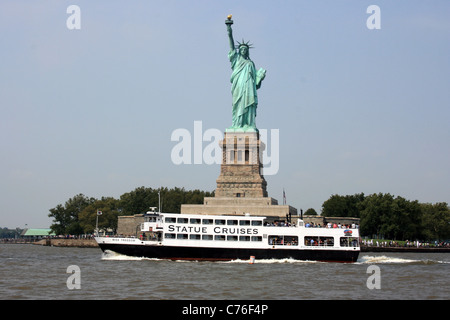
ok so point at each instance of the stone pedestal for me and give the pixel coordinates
(240, 172)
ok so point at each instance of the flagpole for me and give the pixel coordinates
(96, 224)
(159, 200)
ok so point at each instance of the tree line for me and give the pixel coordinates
(386, 216)
(381, 215)
(78, 214)
(10, 233)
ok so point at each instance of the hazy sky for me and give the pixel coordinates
(92, 110)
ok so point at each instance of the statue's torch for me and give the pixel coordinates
(229, 21)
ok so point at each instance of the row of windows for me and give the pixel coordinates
(185, 236)
(272, 240)
(214, 221)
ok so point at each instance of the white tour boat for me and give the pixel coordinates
(230, 237)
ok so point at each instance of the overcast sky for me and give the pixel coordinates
(92, 110)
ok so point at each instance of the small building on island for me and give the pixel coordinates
(36, 233)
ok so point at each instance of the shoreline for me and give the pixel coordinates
(91, 243)
(76, 243)
(404, 249)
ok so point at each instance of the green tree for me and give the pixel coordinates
(141, 199)
(108, 219)
(138, 201)
(342, 206)
(65, 218)
(435, 221)
(371, 211)
(10, 233)
(310, 212)
(389, 217)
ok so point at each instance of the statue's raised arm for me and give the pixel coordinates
(229, 22)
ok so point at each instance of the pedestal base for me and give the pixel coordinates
(240, 172)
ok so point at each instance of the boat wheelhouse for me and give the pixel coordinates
(222, 237)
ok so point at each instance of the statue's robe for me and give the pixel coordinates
(243, 88)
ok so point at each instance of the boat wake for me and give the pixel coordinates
(395, 260)
(109, 255)
(271, 261)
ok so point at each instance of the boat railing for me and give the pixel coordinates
(282, 224)
(306, 225)
(332, 226)
(119, 236)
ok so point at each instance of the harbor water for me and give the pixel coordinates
(38, 272)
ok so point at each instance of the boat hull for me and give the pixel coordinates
(227, 254)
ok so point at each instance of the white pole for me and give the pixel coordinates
(159, 200)
(96, 224)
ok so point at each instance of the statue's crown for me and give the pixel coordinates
(244, 44)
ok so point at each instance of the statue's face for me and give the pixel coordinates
(243, 50)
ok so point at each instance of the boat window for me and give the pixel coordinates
(169, 236)
(196, 221)
(256, 238)
(170, 220)
(311, 241)
(244, 222)
(207, 237)
(349, 242)
(207, 221)
(256, 223)
(152, 236)
(232, 238)
(319, 241)
(182, 236)
(182, 220)
(244, 238)
(194, 237)
(219, 237)
(220, 221)
(232, 222)
(283, 240)
(326, 241)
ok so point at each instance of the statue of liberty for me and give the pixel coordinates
(245, 80)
